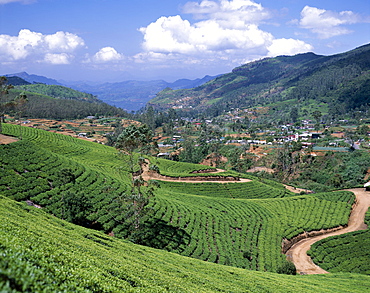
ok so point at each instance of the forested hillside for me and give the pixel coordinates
(57, 102)
(58, 92)
(341, 82)
(133, 94)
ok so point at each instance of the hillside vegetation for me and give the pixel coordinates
(58, 92)
(339, 82)
(133, 94)
(40, 253)
(332, 253)
(57, 102)
(84, 183)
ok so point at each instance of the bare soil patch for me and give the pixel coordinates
(296, 189)
(4, 139)
(261, 169)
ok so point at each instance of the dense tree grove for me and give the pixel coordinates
(58, 92)
(45, 107)
(9, 103)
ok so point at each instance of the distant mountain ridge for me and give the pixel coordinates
(133, 95)
(340, 82)
(33, 78)
(130, 95)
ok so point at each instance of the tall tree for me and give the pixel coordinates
(6, 102)
(294, 114)
(135, 139)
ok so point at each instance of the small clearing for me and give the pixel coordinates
(4, 139)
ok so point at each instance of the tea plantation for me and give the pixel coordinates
(235, 224)
(332, 253)
(41, 253)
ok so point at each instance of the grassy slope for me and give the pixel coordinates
(41, 253)
(198, 224)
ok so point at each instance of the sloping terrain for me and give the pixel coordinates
(338, 82)
(238, 224)
(332, 253)
(59, 92)
(133, 94)
(40, 253)
(67, 105)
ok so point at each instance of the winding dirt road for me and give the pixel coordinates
(298, 252)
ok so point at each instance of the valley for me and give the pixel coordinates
(202, 190)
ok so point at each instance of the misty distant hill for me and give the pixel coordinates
(32, 78)
(132, 95)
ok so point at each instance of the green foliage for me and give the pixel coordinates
(287, 268)
(8, 103)
(335, 170)
(89, 184)
(40, 253)
(344, 253)
(41, 106)
(252, 189)
(223, 229)
(178, 169)
(338, 83)
(135, 139)
(58, 92)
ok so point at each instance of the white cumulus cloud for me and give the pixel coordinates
(107, 54)
(231, 14)
(224, 31)
(288, 47)
(35, 46)
(57, 59)
(326, 23)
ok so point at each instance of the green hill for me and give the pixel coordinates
(338, 83)
(82, 181)
(72, 105)
(40, 253)
(58, 92)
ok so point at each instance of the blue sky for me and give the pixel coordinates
(114, 40)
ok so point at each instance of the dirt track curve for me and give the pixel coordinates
(148, 175)
(298, 252)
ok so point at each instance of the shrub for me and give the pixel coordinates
(288, 268)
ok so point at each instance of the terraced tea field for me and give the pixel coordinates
(240, 224)
(41, 253)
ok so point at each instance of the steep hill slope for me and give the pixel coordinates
(67, 103)
(238, 224)
(40, 253)
(339, 81)
(59, 92)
